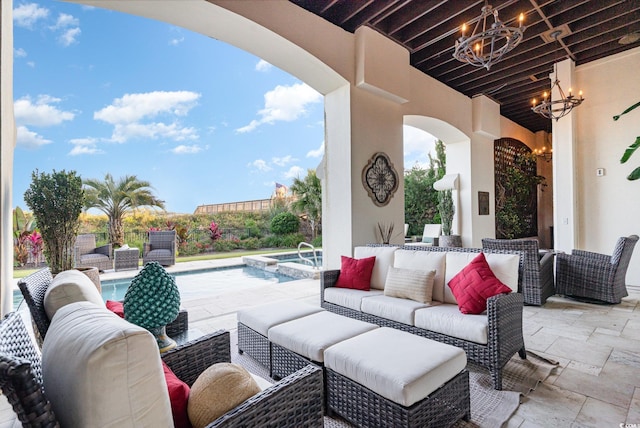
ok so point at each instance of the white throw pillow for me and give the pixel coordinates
(67, 287)
(409, 284)
(102, 371)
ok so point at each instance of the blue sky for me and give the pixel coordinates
(102, 92)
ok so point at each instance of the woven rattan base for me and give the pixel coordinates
(285, 362)
(255, 345)
(365, 408)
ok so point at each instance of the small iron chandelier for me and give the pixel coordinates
(557, 108)
(487, 47)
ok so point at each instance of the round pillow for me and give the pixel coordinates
(219, 389)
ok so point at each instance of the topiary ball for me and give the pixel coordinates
(153, 299)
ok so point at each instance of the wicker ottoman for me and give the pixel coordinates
(296, 343)
(390, 378)
(254, 323)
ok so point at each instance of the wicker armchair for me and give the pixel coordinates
(33, 288)
(86, 254)
(536, 280)
(595, 277)
(160, 248)
(294, 401)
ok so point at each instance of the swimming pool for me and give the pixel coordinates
(197, 284)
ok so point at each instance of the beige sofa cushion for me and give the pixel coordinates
(447, 319)
(424, 260)
(67, 287)
(262, 318)
(392, 308)
(384, 259)
(504, 267)
(102, 371)
(347, 297)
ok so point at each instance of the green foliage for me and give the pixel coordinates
(284, 223)
(420, 198)
(56, 201)
(635, 174)
(317, 241)
(447, 210)
(291, 240)
(250, 243)
(308, 199)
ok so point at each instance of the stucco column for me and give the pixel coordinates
(565, 195)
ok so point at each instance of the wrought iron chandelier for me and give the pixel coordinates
(557, 108)
(487, 44)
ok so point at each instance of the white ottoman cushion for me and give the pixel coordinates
(261, 318)
(70, 286)
(424, 260)
(384, 259)
(400, 366)
(392, 308)
(447, 319)
(102, 371)
(311, 335)
(347, 297)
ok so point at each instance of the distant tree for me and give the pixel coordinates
(308, 199)
(285, 223)
(56, 202)
(117, 199)
(420, 198)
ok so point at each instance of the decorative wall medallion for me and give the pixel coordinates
(380, 179)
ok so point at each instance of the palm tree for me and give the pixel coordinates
(308, 192)
(116, 199)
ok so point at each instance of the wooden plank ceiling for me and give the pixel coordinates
(428, 29)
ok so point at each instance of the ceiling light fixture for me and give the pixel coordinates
(555, 109)
(487, 44)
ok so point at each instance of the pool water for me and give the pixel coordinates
(197, 284)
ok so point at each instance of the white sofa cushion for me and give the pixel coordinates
(447, 319)
(411, 284)
(309, 336)
(261, 318)
(348, 297)
(70, 286)
(425, 260)
(400, 366)
(102, 371)
(384, 259)
(504, 267)
(392, 308)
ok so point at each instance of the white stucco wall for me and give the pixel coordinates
(608, 206)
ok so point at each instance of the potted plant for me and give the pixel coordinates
(447, 210)
(56, 201)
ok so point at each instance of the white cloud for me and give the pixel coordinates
(31, 64)
(184, 149)
(175, 41)
(26, 15)
(65, 21)
(129, 113)
(29, 139)
(283, 160)
(317, 153)
(260, 165)
(42, 112)
(284, 103)
(417, 146)
(69, 37)
(295, 172)
(19, 53)
(263, 66)
(84, 146)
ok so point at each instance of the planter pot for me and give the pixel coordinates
(450, 241)
(93, 274)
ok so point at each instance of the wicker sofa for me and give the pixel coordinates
(489, 340)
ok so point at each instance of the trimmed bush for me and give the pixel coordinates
(285, 223)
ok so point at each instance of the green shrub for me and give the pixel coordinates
(285, 223)
(317, 241)
(292, 240)
(250, 243)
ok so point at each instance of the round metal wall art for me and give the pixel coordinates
(380, 179)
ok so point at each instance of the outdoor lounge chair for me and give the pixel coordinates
(160, 248)
(86, 254)
(595, 277)
(536, 281)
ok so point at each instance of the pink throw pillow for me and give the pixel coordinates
(115, 307)
(474, 284)
(356, 273)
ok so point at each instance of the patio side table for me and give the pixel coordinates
(126, 259)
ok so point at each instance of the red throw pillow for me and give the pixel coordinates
(116, 307)
(179, 396)
(356, 273)
(474, 284)
(178, 390)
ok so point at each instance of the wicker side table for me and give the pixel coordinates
(126, 259)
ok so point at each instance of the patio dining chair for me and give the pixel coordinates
(160, 248)
(86, 254)
(595, 277)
